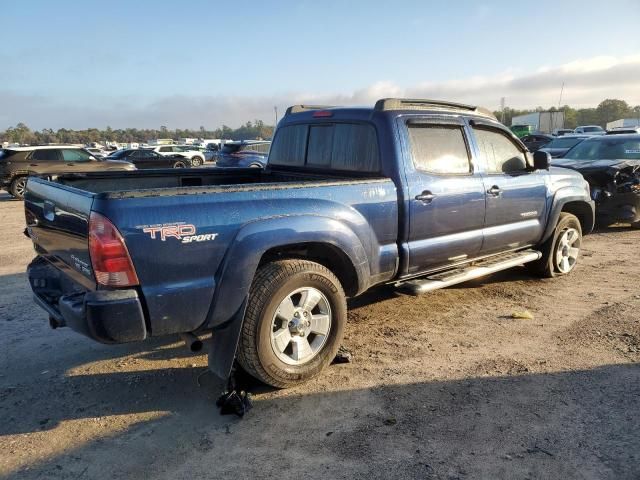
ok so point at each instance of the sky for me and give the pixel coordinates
(143, 64)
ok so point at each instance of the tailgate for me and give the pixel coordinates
(58, 224)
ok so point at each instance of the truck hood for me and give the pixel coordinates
(118, 164)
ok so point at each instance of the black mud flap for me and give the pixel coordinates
(222, 355)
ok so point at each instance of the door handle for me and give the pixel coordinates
(33, 164)
(425, 197)
(71, 164)
(494, 191)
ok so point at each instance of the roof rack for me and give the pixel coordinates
(385, 104)
(306, 108)
(425, 104)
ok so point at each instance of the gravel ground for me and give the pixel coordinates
(447, 385)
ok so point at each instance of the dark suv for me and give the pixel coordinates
(16, 164)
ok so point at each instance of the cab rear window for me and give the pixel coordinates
(334, 146)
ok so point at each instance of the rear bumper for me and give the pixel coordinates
(107, 316)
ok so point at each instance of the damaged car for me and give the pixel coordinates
(611, 165)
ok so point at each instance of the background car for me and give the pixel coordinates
(97, 152)
(16, 164)
(561, 145)
(145, 159)
(559, 132)
(611, 165)
(623, 130)
(590, 130)
(247, 153)
(195, 155)
(536, 141)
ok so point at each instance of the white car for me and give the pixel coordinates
(196, 156)
(590, 130)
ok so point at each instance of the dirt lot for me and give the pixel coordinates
(446, 385)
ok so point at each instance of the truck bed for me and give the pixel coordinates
(234, 217)
(194, 181)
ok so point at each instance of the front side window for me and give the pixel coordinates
(165, 149)
(75, 156)
(439, 149)
(499, 153)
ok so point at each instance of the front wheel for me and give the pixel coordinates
(179, 164)
(560, 252)
(197, 161)
(294, 322)
(18, 187)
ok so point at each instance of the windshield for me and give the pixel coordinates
(592, 129)
(607, 149)
(563, 142)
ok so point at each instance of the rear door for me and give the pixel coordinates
(446, 193)
(45, 160)
(516, 195)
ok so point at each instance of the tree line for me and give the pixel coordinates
(22, 134)
(606, 111)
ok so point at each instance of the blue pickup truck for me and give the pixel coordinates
(415, 194)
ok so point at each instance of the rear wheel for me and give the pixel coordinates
(180, 164)
(18, 187)
(561, 251)
(294, 322)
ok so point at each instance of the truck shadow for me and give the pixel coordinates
(558, 425)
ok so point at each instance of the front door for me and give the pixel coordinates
(446, 195)
(516, 195)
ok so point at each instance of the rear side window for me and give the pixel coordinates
(499, 153)
(439, 149)
(335, 146)
(45, 155)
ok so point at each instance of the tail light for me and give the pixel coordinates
(110, 258)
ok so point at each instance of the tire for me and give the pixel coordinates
(255, 165)
(180, 164)
(636, 225)
(560, 253)
(18, 186)
(276, 311)
(196, 161)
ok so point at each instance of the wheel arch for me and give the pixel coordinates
(571, 200)
(327, 241)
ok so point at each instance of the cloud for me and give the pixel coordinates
(587, 82)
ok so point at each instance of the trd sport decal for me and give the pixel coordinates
(185, 232)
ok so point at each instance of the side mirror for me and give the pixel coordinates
(541, 160)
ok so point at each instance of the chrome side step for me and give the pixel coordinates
(479, 269)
